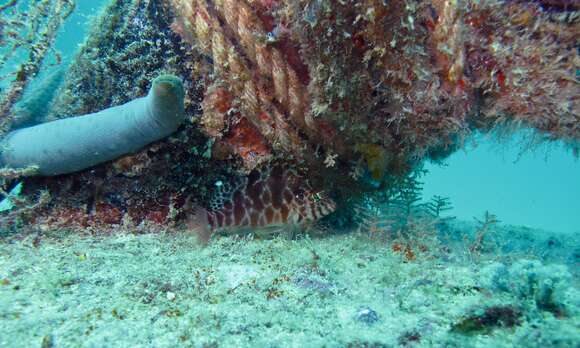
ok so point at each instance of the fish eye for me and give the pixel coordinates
(271, 37)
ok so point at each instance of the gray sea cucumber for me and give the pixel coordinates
(72, 144)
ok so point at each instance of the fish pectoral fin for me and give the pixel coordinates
(292, 231)
(260, 232)
(268, 231)
(289, 231)
(286, 231)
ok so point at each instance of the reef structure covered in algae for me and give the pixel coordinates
(354, 95)
(388, 82)
(128, 45)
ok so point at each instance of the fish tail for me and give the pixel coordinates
(198, 223)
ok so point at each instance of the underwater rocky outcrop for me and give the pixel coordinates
(354, 95)
(380, 85)
(129, 44)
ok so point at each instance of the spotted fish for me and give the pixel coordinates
(274, 198)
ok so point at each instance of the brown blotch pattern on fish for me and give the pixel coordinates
(271, 197)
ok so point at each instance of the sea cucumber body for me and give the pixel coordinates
(72, 144)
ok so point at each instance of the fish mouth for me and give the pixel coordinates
(331, 208)
(328, 206)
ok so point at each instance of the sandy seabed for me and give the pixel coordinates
(61, 289)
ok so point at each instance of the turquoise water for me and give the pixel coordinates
(70, 36)
(538, 188)
(74, 30)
